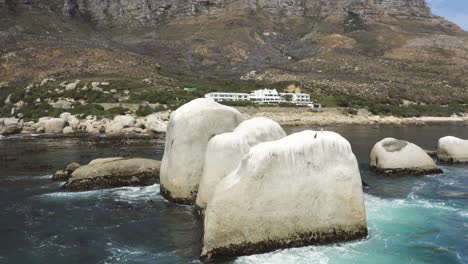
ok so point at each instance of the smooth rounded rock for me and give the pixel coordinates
(190, 128)
(113, 173)
(398, 157)
(301, 190)
(225, 151)
(68, 130)
(54, 125)
(452, 150)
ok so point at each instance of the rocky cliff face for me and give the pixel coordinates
(123, 12)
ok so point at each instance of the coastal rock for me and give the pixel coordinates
(125, 120)
(65, 115)
(301, 190)
(397, 157)
(119, 123)
(225, 151)
(68, 130)
(54, 125)
(70, 168)
(114, 173)
(104, 160)
(190, 128)
(60, 176)
(10, 129)
(452, 150)
(64, 175)
(155, 124)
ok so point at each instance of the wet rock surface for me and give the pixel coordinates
(115, 172)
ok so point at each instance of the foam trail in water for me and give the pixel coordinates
(124, 194)
(26, 178)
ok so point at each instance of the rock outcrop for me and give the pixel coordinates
(149, 12)
(398, 157)
(64, 175)
(190, 128)
(303, 189)
(225, 152)
(452, 150)
(114, 172)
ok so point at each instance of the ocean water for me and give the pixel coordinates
(411, 219)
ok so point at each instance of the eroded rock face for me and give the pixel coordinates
(398, 157)
(188, 132)
(114, 172)
(225, 151)
(300, 190)
(452, 150)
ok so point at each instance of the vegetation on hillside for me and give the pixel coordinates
(37, 101)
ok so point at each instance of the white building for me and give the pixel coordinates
(297, 98)
(263, 96)
(266, 96)
(223, 97)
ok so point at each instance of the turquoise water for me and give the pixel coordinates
(411, 219)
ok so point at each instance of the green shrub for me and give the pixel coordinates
(354, 22)
(118, 111)
(144, 111)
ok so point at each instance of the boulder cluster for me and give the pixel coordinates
(69, 124)
(258, 189)
(398, 157)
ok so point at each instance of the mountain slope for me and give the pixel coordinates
(370, 48)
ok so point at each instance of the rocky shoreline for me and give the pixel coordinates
(333, 116)
(70, 125)
(156, 124)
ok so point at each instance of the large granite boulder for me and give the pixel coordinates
(190, 128)
(225, 151)
(54, 125)
(301, 190)
(115, 172)
(398, 157)
(452, 150)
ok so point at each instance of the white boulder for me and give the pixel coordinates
(54, 125)
(125, 120)
(155, 124)
(399, 157)
(188, 132)
(452, 150)
(301, 190)
(68, 130)
(225, 151)
(114, 172)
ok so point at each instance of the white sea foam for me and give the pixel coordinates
(26, 178)
(124, 194)
(384, 215)
(132, 255)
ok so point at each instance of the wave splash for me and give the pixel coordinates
(390, 222)
(123, 194)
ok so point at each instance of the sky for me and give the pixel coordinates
(453, 10)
